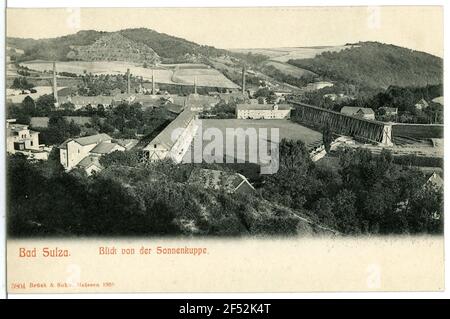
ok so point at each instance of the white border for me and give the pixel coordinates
(217, 3)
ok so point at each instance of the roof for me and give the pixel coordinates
(88, 161)
(249, 107)
(422, 102)
(216, 179)
(127, 143)
(86, 100)
(389, 109)
(351, 110)
(439, 99)
(165, 136)
(174, 108)
(17, 127)
(104, 148)
(435, 180)
(201, 100)
(87, 140)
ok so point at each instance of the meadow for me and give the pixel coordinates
(179, 74)
(287, 130)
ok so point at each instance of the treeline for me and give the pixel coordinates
(124, 201)
(376, 65)
(122, 121)
(367, 195)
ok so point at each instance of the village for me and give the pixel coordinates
(233, 132)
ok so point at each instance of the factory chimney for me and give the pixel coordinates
(195, 85)
(128, 82)
(243, 80)
(153, 82)
(55, 85)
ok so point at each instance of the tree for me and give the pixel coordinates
(327, 136)
(22, 83)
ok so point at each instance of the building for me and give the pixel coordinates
(81, 101)
(174, 141)
(364, 112)
(196, 102)
(79, 152)
(20, 139)
(221, 181)
(237, 97)
(435, 181)
(263, 111)
(390, 111)
(421, 105)
(318, 85)
(438, 100)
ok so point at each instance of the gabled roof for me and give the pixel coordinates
(89, 161)
(104, 148)
(87, 140)
(216, 179)
(164, 138)
(351, 110)
(422, 102)
(439, 99)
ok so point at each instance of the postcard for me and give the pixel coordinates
(247, 149)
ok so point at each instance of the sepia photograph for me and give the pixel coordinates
(249, 125)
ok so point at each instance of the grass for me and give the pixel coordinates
(163, 74)
(289, 69)
(287, 129)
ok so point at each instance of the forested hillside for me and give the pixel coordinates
(377, 66)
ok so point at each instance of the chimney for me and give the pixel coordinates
(195, 85)
(55, 85)
(153, 82)
(128, 82)
(243, 80)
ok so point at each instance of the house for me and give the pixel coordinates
(174, 141)
(421, 105)
(318, 85)
(221, 181)
(364, 112)
(81, 101)
(263, 111)
(435, 181)
(196, 102)
(20, 139)
(123, 98)
(390, 111)
(80, 152)
(438, 100)
(237, 97)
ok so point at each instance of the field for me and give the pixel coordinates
(287, 129)
(289, 69)
(178, 74)
(286, 54)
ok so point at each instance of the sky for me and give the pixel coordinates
(415, 27)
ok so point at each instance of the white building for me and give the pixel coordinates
(83, 150)
(318, 85)
(263, 111)
(20, 139)
(174, 141)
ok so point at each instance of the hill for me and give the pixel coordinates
(114, 47)
(170, 48)
(376, 65)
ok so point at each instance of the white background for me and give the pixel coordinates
(216, 3)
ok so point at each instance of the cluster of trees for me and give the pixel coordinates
(376, 65)
(221, 111)
(102, 84)
(130, 201)
(21, 83)
(367, 194)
